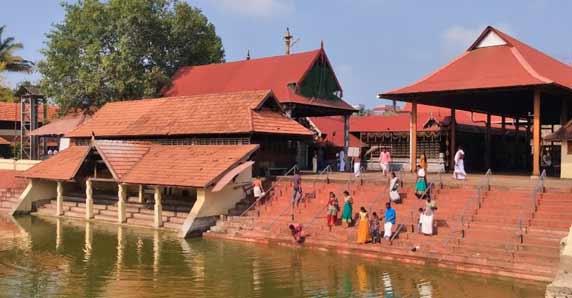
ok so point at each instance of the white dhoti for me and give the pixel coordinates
(384, 167)
(258, 192)
(357, 168)
(393, 190)
(387, 229)
(426, 224)
(459, 171)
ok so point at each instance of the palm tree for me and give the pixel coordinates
(9, 61)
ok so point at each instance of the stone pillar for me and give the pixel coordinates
(88, 199)
(141, 194)
(453, 139)
(158, 208)
(347, 138)
(121, 200)
(59, 199)
(488, 162)
(413, 137)
(536, 125)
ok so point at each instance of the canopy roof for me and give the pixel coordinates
(219, 113)
(496, 74)
(278, 73)
(61, 126)
(148, 163)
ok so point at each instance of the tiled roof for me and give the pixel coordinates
(191, 166)
(11, 111)
(333, 128)
(275, 73)
(4, 141)
(508, 64)
(564, 133)
(461, 117)
(121, 157)
(60, 126)
(219, 113)
(148, 163)
(62, 166)
(396, 123)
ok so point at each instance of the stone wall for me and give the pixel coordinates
(561, 286)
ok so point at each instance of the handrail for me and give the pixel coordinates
(528, 211)
(485, 181)
(268, 191)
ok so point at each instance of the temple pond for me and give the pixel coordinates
(49, 257)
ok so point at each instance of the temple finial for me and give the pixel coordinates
(248, 54)
(322, 44)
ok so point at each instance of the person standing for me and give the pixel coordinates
(363, 226)
(332, 210)
(423, 161)
(421, 184)
(459, 171)
(374, 228)
(389, 221)
(257, 188)
(357, 166)
(297, 189)
(394, 189)
(348, 209)
(342, 161)
(384, 160)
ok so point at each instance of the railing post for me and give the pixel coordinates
(520, 230)
(462, 227)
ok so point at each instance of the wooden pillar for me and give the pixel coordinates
(453, 139)
(488, 161)
(347, 139)
(413, 137)
(59, 199)
(141, 195)
(564, 112)
(516, 148)
(158, 208)
(121, 201)
(536, 135)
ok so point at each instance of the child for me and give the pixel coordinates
(296, 230)
(374, 228)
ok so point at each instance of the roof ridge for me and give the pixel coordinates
(252, 59)
(527, 67)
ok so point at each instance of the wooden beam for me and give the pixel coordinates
(413, 137)
(536, 134)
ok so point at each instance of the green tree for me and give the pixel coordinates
(118, 50)
(10, 61)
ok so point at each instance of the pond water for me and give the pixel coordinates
(43, 257)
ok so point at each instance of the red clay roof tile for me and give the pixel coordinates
(333, 128)
(60, 126)
(62, 166)
(219, 113)
(4, 141)
(11, 111)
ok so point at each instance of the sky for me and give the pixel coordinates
(373, 45)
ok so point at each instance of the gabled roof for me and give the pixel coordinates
(60, 126)
(62, 166)
(11, 111)
(148, 163)
(218, 113)
(390, 123)
(274, 73)
(495, 60)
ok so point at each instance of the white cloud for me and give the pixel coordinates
(458, 38)
(258, 8)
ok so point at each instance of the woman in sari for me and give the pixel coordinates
(363, 227)
(421, 185)
(332, 210)
(347, 212)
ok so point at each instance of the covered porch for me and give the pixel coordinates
(497, 76)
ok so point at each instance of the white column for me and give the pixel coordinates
(121, 198)
(141, 195)
(158, 208)
(88, 199)
(60, 199)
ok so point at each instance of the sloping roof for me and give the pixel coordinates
(120, 157)
(62, 166)
(333, 128)
(461, 117)
(4, 141)
(274, 73)
(61, 126)
(11, 111)
(564, 133)
(191, 166)
(501, 64)
(218, 113)
(397, 123)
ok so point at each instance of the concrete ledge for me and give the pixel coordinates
(17, 165)
(561, 286)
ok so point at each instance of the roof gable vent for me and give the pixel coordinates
(491, 40)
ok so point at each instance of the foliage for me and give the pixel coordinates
(118, 50)
(8, 60)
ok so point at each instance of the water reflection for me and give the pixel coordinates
(96, 260)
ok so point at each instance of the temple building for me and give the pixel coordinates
(497, 75)
(304, 84)
(172, 162)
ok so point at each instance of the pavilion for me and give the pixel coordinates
(497, 75)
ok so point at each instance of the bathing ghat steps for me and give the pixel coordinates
(493, 234)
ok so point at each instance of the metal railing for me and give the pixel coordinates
(267, 194)
(529, 210)
(471, 208)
